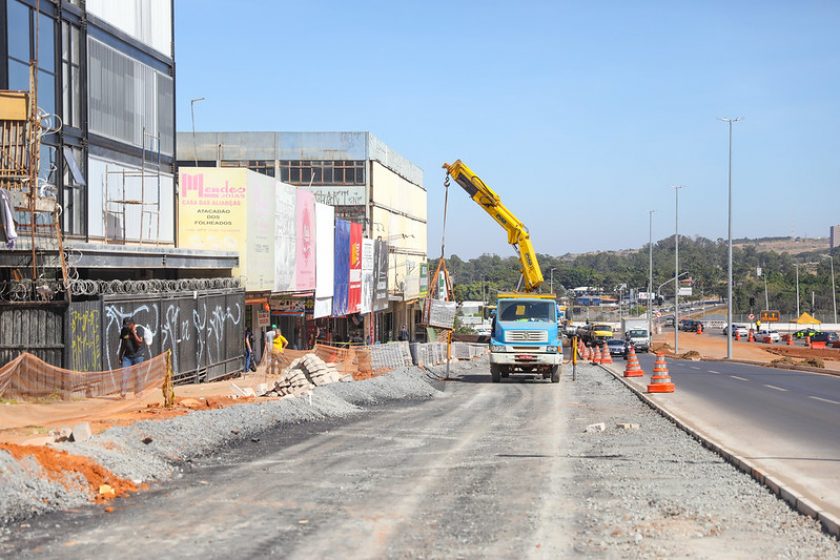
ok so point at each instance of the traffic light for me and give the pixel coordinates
(752, 302)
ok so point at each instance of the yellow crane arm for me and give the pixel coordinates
(517, 233)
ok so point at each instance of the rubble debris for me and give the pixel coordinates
(81, 432)
(627, 426)
(598, 427)
(305, 373)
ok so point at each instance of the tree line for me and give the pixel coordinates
(703, 259)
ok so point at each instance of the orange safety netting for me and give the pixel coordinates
(29, 376)
(353, 360)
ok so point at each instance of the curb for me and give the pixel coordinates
(829, 523)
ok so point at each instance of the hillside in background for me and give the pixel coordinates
(704, 260)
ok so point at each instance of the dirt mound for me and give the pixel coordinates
(58, 464)
(663, 347)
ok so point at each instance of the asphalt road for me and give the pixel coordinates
(462, 475)
(785, 421)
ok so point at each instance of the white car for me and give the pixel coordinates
(482, 331)
(742, 330)
(774, 335)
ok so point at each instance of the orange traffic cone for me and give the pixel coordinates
(584, 352)
(660, 381)
(605, 355)
(789, 339)
(633, 368)
(699, 328)
(596, 355)
(808, 341)
(737, 336)
(751, 336)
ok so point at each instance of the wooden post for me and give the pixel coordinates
(168, 388)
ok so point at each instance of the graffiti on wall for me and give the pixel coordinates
(145, 315)
(85, 336)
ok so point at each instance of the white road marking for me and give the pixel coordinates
(713, 371)
(829, 401)
(776, 388)
(694, 367)
(739, 378)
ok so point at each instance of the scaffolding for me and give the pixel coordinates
(115, 210)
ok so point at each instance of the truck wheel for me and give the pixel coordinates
(495, 373)
(555, 374)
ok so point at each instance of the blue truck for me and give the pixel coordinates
(525, 339)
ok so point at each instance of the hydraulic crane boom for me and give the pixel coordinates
(516, 231)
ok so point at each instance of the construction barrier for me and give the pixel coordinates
(606, 358)
(596, 355)
(660, 381)
(27, 376)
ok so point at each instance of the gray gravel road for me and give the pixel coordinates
(486, 470)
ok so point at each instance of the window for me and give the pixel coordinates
(21, 30)
(70, 75)
(264, 167)
(341, 172)
(73, 195)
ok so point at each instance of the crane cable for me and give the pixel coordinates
(445, 206)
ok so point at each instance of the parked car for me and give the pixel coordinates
(774, 335)
(827, 337)
(617, 347)
(741, 330)
(802, 333)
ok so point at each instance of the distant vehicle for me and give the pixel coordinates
(827, 337)
(617, 347)
(807, 331)
(774, 335)
(482, 330)
(636, 333)
(741, 330)
(689, 325)
(595, 334)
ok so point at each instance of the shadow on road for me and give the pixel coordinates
(485, 378)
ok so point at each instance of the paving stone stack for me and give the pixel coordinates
(390, 356)
(305, 373)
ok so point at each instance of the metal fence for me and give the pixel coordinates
(204, 330)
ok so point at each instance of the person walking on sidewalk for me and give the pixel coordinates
(249, 351)
(131, 350)
(278, 345)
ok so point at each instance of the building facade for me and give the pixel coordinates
(834, 237)
(99, 240)
(365, 180)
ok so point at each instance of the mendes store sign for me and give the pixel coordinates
(230, 209)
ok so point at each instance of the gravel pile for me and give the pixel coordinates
(655, 492)
(153, 450)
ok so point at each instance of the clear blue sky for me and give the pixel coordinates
(579, 114)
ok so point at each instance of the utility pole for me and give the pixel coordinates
(650, 276)
(677, 267)
(797, 290)
(833, 289)
(729, 243)
(551, 283)
(193, 101)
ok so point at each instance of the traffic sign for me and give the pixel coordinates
(658, 314)
(769, 316)
(751, 316)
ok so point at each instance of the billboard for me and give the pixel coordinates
(284, 238)
(368, 256)
(424, 279)
(685, 291)
(324, 259)
(305, 241)
(380, 275)
(341, 268)
(354, 291)
(216, 207)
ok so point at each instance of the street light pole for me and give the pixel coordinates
(797, 290)
(551, 283)
(833, 288)
(193, 101)
(677, 267)
(650, 276)
(729, 243)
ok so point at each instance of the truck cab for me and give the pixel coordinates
(525, 339)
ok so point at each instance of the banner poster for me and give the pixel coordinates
(380, 275)
(284, 238)
(354, 292)
(341, 271)
(424, 279)
(324, 258)
(305, 241)
(367, 276)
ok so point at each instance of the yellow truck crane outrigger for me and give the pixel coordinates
(516, 231)
(525, 339)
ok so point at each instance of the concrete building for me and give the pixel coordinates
(834, 237)
(363, 178)
(106, 176)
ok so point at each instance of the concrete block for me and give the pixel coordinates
(805, 507)
(627, 426)
(248, 392)
(262, 389)
(82, 432)
(830, 523)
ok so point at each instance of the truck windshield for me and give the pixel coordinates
(518, 311)
(637, 333)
